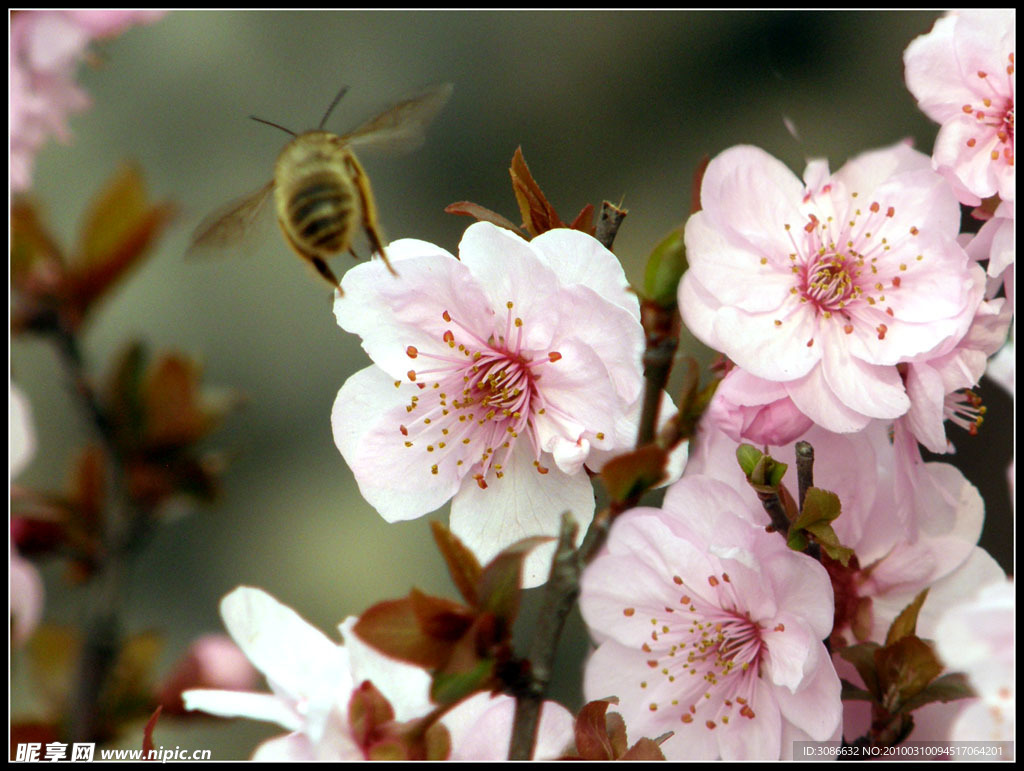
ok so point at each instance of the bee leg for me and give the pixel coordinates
(327, 273)
(369, 211)
(353, 253)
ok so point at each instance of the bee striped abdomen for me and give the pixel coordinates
(321, 212)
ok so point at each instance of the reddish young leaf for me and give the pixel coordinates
(634, 472)
(644, 749)
(501, 581)
(368, 710)
(698, 181)
(394, 628)
(120, 226)
(591, 730)
(584, 221)
(482, 214)
(147, 735)
(463, 565)
(538, 214)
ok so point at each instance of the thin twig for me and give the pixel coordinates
(559, 597)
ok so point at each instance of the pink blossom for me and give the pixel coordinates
(752, 409)
(211, 661)
(825, 286)
(481, 728)
(938, 382)
(977, 637)
(911, 524)
(962, 75)
(26, 584)
(710, 627)
(46, 48)
(495, 377)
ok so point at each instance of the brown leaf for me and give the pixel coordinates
(393, 628)
(634, 472)
(120, 226)
(592, 739)
(463, 565)
(173, 413)
(644, 749)
(482, 214)
(698, 181)
(906, 622)
(538, 215)
(584, 221)
(501, 581)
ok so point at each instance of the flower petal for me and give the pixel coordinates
(521, 503)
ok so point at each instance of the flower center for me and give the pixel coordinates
(994, 113)
(839, 266)
(478, 399)
(710, 653)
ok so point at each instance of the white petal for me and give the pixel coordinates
(577, 258)
(522, 503)
(294, 655)
(255, 706)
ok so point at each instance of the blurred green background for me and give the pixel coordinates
(605, 104)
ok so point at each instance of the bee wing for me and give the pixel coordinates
(231, 225)
(401, 127)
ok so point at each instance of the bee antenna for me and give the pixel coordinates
(334, 104)
(260, 120)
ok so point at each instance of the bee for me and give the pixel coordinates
(321, 193)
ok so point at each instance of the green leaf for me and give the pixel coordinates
(906, 622)
(821, 508)
(748, 457)
(463, 565)
(664, 269)
(949, 687)
(450, 687)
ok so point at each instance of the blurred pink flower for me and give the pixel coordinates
(977, 637)
(46, 48)
(825, 286)
(26, 585)
(211, 661)
(496, 376)
(962, 75)
(711, 628)
(481, 728)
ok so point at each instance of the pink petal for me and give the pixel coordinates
(812, 395)
(366, 420)
(391, 313)
(815, 707)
